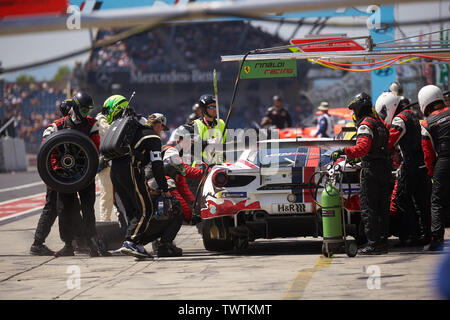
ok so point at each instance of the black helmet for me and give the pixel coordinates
(82, 104)
(65, 106)
(206, 100)
(361, 104)
(277, 98)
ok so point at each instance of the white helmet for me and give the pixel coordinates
(386, 105)
(427, 95)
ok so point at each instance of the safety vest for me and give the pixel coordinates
(210, 134)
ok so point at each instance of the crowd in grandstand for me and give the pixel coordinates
(33, 105)
(180, 48)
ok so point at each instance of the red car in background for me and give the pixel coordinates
(341, 116)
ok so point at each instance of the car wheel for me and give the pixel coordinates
(76, 161)
(326, 250)
(210, 228)
(351, 248)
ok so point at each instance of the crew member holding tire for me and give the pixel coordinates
(372, 147)
(49, 212)
(78, 120)
(436, 148)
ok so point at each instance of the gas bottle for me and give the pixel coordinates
(331, 213)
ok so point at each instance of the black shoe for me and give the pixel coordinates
(102, 247)
(406, 243)
(373, 249)
(66, 251)
(82, 249)
(93, 247)
(168, 249)
(132, 249)
(41, 250)
(434, 245)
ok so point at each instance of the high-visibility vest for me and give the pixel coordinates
(210, 134)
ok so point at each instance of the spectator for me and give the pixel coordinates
(325, 125)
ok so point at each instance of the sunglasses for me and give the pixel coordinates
(85, 111)
(211, 107)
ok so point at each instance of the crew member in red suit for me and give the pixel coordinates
(413, 191)
(174, 152)
(77, 119)
(372, 147)
(436, 149)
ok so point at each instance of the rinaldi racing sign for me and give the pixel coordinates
(269, 69)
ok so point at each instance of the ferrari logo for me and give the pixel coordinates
(247, 69)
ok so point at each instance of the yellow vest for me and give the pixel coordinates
(210, 135)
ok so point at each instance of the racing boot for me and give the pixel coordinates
(374, 249)
(41, 249)
(168, 249)
(102, 247)
(141, 249)
(131, 249)
(80, 246)
(93, 247)
(436, 244)
(66, 251)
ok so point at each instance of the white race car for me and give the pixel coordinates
(272, 192)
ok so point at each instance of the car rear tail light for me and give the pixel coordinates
(219, 178)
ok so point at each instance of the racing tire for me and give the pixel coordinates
(78, 161)
(214, 244)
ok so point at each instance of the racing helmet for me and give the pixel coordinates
(64, 106)
(361, 104)
(82, 104)
(277, 98)
(386, 105)
(206, 100)
(428, 97)
(115, 105)
(396, 88)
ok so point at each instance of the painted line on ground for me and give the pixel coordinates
(20, 206)
(301, 281)
(23, 207)
(28, 185)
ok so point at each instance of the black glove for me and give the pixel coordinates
(168, 205)
(337, 154)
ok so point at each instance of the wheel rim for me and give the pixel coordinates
(73, 163)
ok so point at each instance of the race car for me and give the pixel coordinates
(273, 190)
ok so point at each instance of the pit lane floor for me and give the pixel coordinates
(275, 269)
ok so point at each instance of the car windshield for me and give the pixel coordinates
(289, 157)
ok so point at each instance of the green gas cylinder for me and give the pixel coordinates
(331, 213)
